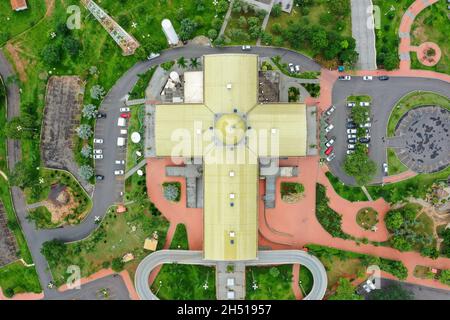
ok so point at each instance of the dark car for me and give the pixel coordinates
(351, 141)
(101, 115)
(351, 125)
(383, 78)
(99, 177)
(364, 140)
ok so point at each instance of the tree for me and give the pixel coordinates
(212, 34)
(266, 38)
(400, 243)
(171, 192)
(89, 111)
(222, 6)
(391, 292)
(393, 220)
(194, 64)
(242, 22)
(54, 251)
(444, 277)
(86, 151)
(345, 291)
(84, 131)
(276, 10)
(360, 166)
(359, 114)
(276, 28)
(117, 264)
(86, 172)
(52, 54)
(431, 252)
(24, 175)
(97, 92)
(182, 62)
(319, 39)
(187, 29)
(72, 46)
(22, 127)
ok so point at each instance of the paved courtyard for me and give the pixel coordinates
(422, 137)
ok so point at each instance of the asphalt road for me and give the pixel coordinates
(419, 292)
(385, 94)
(264, 258)
(364, 36)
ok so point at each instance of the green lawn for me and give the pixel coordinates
(359, 98)
(16, 278)
(433, 25)
(395, 166)
(136, 124)
(180, 238)
(42, 218)
(14, 22)
(411, 101)
(347, 192)
(274, 283)
(306, 278)
(117, 235)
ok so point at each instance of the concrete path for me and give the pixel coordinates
(135, 168)
(364, 33)
(226, 19)
(363, 188)
(35, 205)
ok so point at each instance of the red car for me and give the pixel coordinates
(125, 115)
(328, 151)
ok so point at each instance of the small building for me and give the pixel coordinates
(170, 32)
(151, 243)
(128, 257)
(19, 5)
(121, 208)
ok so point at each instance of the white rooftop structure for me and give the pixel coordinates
(135, 137)
(170, 33)
(230, 294)
(193, 87)
(174, 76)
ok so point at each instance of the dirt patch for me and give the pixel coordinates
(419, 34)
(292, 198)
(18, 62)
(63, 206)
(8, 244)
(50, 4)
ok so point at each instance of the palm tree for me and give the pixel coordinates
(194, 64)
(182, 62)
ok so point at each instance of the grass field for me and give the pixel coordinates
(347, 192)
(306, 280)
(395, 166)
(411, 101)
(432, 25)
(180, 238)
(16, 278)
(274, 283)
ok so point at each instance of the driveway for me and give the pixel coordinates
(364, 36)
(385, 94)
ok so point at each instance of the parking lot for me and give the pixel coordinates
(384, 94)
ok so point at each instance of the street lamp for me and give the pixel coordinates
(301, 287)
(160, 285)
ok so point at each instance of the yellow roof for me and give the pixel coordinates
(180, 129)
(284, 125)
(231, 82)
(231, 206)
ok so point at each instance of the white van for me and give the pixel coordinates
(121, 122)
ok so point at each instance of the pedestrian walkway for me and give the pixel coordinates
(226, 19)
(135, 168)
(399, 177)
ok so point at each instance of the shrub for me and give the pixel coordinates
(172, 191)
(117, 264)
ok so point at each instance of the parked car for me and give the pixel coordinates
(291, 68)
(98, 156)
(329, 128)
(364, 104)
(99, 177)
(351, 136)
(329, 151)
(367, 78)
(345, 78)
(330, 142)
(383, 78)
(331, 157)
(297, 68)
(118, 172)
(246, 48)
(351, 125)
(124, 131)
(350, 151)
(97, 140)
(101, 115)
(352, 131)
(364, 140)
(98, 151)
(120, 161)
(153, 56)
(352, 140)
(385, 168)
(351, 147)
(351, 104)
(125, 115)
(124, 109)
(330, 110)
(365, 125)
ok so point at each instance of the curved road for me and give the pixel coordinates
(106, 192)
(157, 258)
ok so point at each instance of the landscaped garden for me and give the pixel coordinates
(172, 191)
(293, 94)
(138, 91)
(395, 166)
(182, 281)
(291, 192)
(367, 218)
(347, 192)
(269, 282)
(136, 124)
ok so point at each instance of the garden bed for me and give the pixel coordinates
(274, 283)
(367, 218)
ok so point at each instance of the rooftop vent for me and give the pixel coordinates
(229, 86)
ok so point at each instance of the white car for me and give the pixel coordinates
(291, 68)
(297, 68)
(351, 131)
(98, 156)
(118, 172)
(99, 141)
(330, 110)
(329, 143)
(331, 157)
(98, 151)
(367, 78)
(345, 78)
(120, 161)
(365, 125)
(351, 104)
(364, 104)
(385, 168)
(153, 56)
(124, 109)
(351, 147)
(351, 136)
(350, 151)
(246, 48)
(329, 128)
